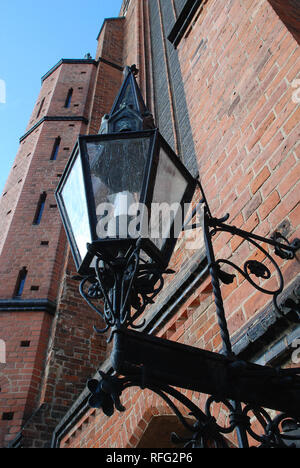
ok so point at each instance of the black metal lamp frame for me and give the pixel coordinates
(132, 245)
(127, 285)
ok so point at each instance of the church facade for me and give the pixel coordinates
(221, 80)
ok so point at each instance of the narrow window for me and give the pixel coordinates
(21, 282)
(25, 344)
(40, 108)
(69, 98)
(55, 149)
(188, 9)
(40, 209)
(7, 416)
(125, 7)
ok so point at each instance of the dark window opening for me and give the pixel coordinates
(25, 344)
(21, 282)
(40, 209)
(69, 98)
(7, 416)
(178, 6)
(34, 288)
(55, 149)
(45, 243)
(184, 20)
(125, 7)
(40, 108)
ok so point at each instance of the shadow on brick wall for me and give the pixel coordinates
(289, 12)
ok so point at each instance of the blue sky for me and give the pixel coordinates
(34, 36)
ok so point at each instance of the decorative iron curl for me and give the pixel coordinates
(234, 422)
(125, 286)
(272, 435)
(257, 268)
(106, 394)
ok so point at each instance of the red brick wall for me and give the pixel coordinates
(34, 173)
(238, 63)
(288, 11)
(45, 97)
(20, 380)
(14, 185)
(74, 353)
(39, 174)
(109, 78)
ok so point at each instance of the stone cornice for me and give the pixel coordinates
(27, 305)
(57, 118)
(71, 62)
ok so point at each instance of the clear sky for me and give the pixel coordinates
(34, 36)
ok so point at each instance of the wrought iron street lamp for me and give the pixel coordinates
(108, 193)
(122, 268)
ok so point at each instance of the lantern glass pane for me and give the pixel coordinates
(117, 171)
(169, 189)
(73, 195)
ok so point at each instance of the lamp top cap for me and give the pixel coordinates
(133, 69)
(129, 111)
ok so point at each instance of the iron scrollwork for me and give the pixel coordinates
(205, 431)
(105, 394)
(126, 285)
(272, 435)
(252, 267)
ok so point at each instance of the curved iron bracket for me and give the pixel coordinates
(126, 285)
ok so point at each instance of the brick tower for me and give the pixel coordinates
(35, 267)
(219, 79)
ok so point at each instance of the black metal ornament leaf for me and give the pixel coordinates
(258, 269)
(225, 277)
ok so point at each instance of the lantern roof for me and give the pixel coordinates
(129, 111)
